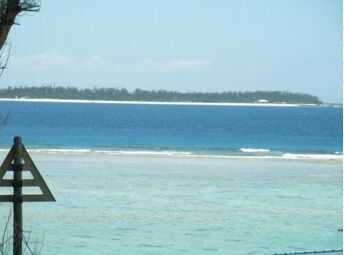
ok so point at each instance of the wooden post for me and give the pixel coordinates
(17, 198)
(17, 161)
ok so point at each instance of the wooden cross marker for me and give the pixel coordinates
(16, 162)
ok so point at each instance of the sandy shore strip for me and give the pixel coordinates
(81, 101)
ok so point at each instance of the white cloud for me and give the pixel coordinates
(56, 63)
(40, 62)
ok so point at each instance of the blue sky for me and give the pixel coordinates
(193, 45)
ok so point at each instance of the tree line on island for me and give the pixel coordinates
(122, 94)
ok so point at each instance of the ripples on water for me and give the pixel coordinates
(144, 205)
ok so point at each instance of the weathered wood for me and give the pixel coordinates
(6, 198)
(26, 164)
(18, 160)
(24, 183)
(24, 198)
(17, 198)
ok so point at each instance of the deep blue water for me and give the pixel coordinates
(215, 129)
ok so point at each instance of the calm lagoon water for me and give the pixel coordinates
(163, 205)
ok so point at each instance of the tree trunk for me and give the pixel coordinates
(11, 10)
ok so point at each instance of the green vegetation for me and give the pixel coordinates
(157, 95)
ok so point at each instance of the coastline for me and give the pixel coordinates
(84, 101)
(170, 154)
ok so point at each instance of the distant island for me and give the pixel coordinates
(122, 94)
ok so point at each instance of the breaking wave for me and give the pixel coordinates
(243, 153)
(253, 150)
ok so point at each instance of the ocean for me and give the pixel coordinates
(218, 130)
(180, 180)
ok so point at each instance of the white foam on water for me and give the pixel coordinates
(65, 151)
(312, 156)
(254, 150)
(142, 152)
(266, 154)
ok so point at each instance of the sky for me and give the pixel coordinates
(193, 45)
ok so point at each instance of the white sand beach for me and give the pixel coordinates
(51, 100)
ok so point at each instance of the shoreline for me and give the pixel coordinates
(186, 155)
(85, 101)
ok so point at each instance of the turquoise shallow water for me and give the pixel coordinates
(145, 205)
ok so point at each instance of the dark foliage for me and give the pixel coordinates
(121, 94)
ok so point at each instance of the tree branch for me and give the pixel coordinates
(9, 9)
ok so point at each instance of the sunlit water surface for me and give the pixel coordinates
(168, 205)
